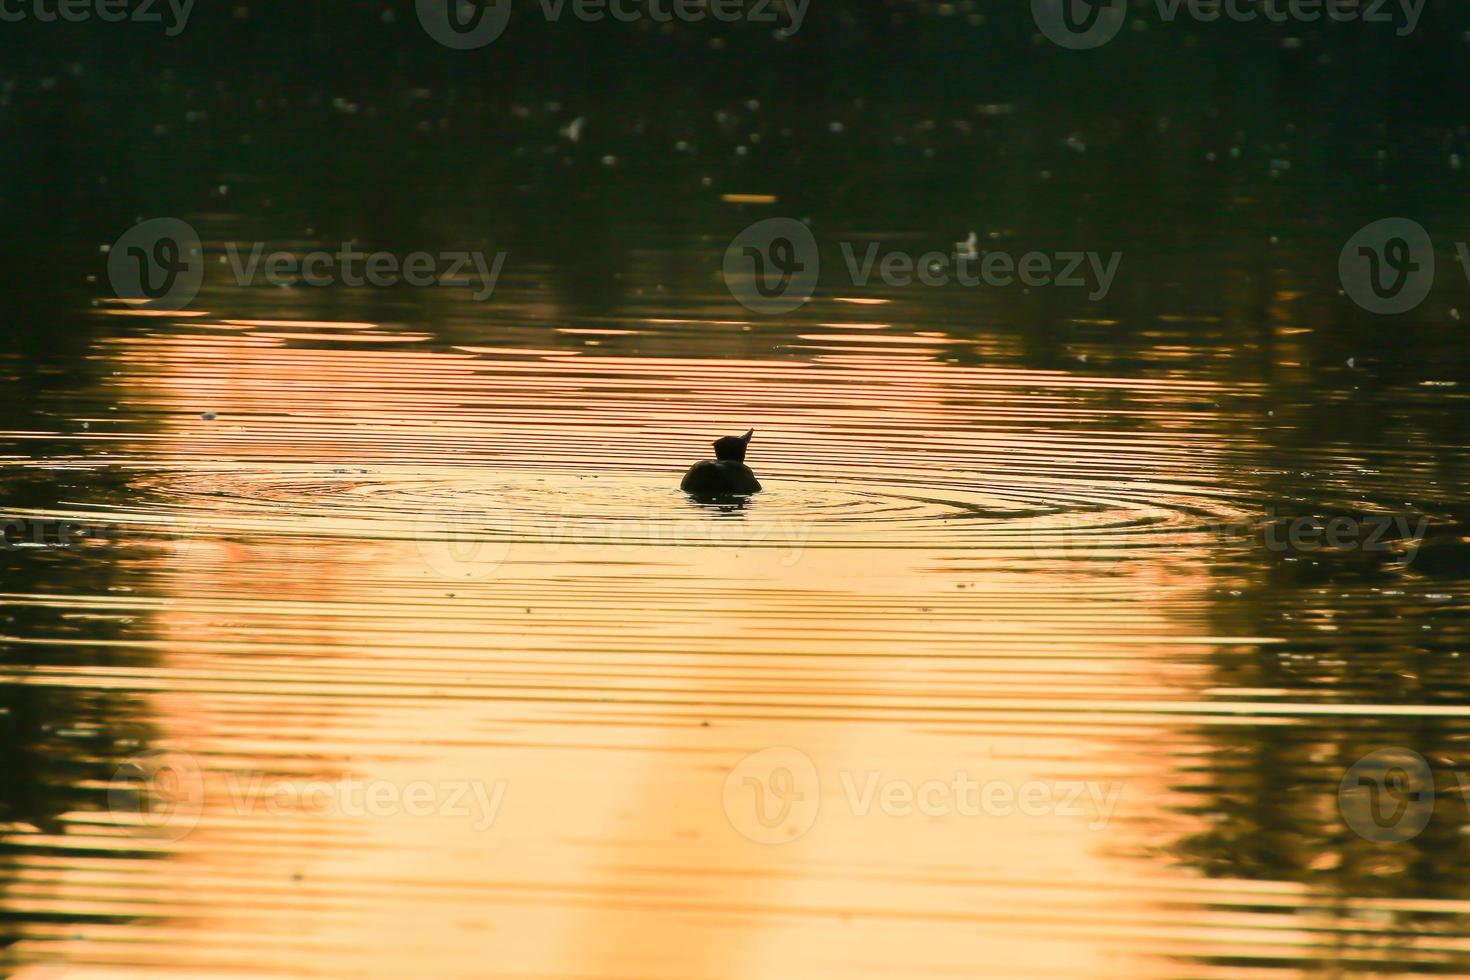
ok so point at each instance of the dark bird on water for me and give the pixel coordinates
(724, 475)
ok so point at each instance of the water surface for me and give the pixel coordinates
(357, 538)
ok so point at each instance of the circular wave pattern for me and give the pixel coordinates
(474, 504)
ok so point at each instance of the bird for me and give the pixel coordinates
(1442, 553)
(726, 474)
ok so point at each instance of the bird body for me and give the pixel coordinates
(716, 476)
(724, 475)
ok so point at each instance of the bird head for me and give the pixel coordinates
(733, 447)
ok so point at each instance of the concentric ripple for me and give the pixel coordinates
(557, 505)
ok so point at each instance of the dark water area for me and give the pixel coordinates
(1172, 567)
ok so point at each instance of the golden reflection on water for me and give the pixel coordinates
(385, 562)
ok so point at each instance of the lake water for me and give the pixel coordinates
(393, 648)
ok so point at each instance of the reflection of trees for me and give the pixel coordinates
(1356, 631)
(1269, 795)
(53, 738)
(56, 738)
(60, 743)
